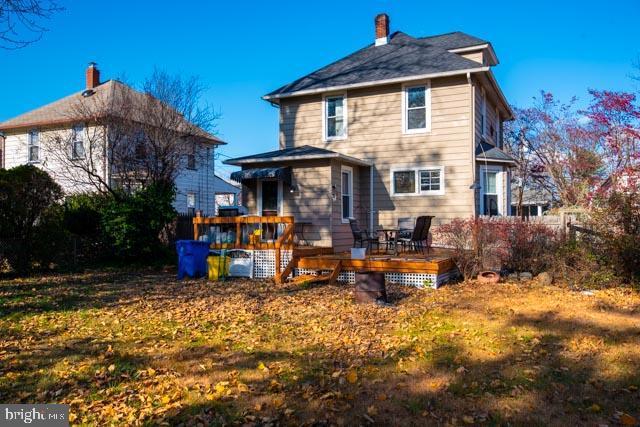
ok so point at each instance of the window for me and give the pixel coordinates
(191, 203)
(404, 182)
(491, 194)
(140, 147)
(428, 180)
(335, 117)
(347, 193)
(34, 146)
(417, 109)
(191, 157)
(77, 142)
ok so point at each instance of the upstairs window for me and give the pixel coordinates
(34, 146)
(77, 142)
(335, 113)
(140, 150)
(417, 109)
(191, 157)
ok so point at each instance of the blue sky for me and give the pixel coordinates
(242, 50)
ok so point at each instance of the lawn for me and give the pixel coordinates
(143, 348)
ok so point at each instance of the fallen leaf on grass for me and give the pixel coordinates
(352, 376)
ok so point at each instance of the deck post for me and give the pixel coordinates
(196, 222)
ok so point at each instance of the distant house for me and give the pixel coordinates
(405, 126)
(25, 142)
(227, 193)
(535, 201)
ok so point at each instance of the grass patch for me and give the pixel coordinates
(128, 347)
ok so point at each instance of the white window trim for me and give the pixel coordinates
(30, 144)
(349, 170)
(195, 199)
(345, 119)
(81, 128)
(500, 179)
(416, 170)
(427, 103)
(280, 196)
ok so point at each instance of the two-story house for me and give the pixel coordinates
(71, 140)
(403, 127)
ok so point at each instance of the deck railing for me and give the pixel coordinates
(245, 232)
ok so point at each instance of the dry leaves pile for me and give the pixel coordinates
(127, 348)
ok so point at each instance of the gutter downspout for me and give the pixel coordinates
(472, 94)
(371, 210)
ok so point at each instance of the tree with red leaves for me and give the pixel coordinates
(576, 154)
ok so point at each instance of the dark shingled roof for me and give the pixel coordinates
(303, 152)
(456, 40)
(488, 152)
(403, 56)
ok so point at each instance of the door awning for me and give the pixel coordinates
(281, 174)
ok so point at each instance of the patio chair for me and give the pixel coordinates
(405, 225)
(360, 237)
(419, 237)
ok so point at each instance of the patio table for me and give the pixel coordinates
(391, 237)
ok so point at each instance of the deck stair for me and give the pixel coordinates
(325, 273)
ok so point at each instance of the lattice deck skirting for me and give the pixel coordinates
(264, 262)
(264, 266)
(419, 280)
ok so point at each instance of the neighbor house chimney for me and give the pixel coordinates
(382, 29)
(93, 75)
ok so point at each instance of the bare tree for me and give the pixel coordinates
(121, 138)
(21, 21)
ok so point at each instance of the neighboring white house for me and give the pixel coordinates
(227, 193)
(22, 141)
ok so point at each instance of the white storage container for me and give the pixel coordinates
(240, 263)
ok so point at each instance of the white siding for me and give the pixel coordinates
(200, 181)
(16, 153)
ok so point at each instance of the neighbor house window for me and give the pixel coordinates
(335, 112)
(34, 146)
(347, 193)
(417, 109)
(428, 180)
(140, 146)
(191, 157)
(491, 197)
(191, 203)
(77, 142)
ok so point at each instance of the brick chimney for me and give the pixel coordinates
(382, 29)
(92, 75)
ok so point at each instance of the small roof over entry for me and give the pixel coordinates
(282, 174)
(490, 153)
(304, 152)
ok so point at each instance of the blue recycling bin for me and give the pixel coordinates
(192, 258)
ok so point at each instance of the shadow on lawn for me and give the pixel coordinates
(535, 382)
(44, 367)
(532, 378)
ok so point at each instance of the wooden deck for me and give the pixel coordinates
(438, 261)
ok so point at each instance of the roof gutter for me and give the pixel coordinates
(375, 83)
